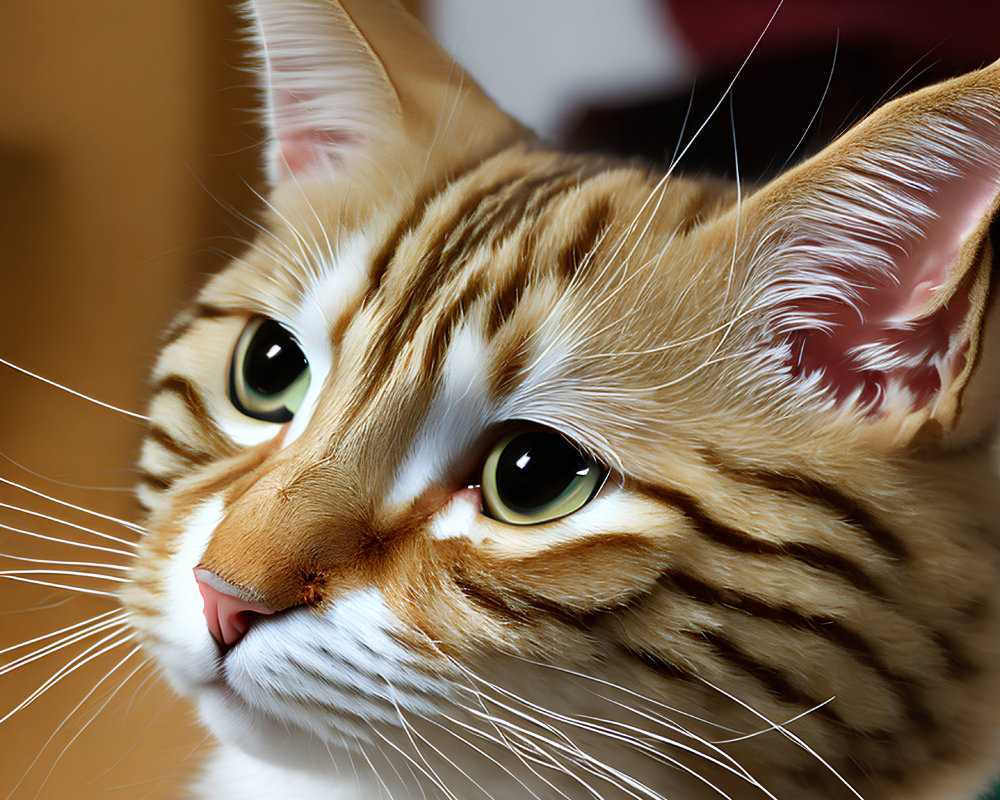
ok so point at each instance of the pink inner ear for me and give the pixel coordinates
(888, 336)
(307, 151)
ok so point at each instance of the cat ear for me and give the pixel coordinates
(877, 277)
(363, 79)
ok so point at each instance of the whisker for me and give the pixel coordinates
(479, 698)
(409, 735)
(727, 91)
(67, 541)
(52, 562)
(502, 741)
(776, 726)
(74, 573)
(67, 484)
(444, 758)
(240, 215)
(563, 744)
(68, 669)
(124, 523)
(375, 772)
(84, 727)
(61, 586)
(788, 734)
(61, 631)
(727, 763)
(819, 106)
(431, 775)
(684, 122)
(46, 605)
(397, 773)
(81, 395)
(63, 643)
(585, 760)
(49, 518)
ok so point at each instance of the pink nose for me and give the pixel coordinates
(228, 615)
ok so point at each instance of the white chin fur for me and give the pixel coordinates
(231, 774)
(260, 736)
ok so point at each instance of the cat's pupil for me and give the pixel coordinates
(536, 468)
(273, 360)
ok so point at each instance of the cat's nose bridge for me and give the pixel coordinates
(284, 536)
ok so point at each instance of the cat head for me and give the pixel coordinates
(491, 466)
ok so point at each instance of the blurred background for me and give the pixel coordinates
(127, 144)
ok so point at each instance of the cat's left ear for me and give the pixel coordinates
(877, 272)
(350, 80)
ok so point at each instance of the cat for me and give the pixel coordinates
(495, 471)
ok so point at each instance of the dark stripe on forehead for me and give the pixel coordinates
(424, 281)
(387, 252)
(595, 223)
(507, 363)
(476, 218)
(814, 556)
(526, 206)
(440, 339)
(413, 220)
(509, 360)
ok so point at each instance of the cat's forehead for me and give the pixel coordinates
(554, 205)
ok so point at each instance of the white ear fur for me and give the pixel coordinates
(326, 96)
(873, 273)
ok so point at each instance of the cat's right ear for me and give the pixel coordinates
(363, 80)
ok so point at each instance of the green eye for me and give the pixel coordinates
(269, 373)
(537, 476)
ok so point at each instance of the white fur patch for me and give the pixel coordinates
(231, 774)
(456, 520)
(456, 418)
(328, 297)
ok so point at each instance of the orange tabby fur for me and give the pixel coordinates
(765, 547)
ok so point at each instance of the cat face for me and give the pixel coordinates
(489, 468)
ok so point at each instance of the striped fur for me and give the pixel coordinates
(771, 546)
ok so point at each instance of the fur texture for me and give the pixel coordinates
(786, 586)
